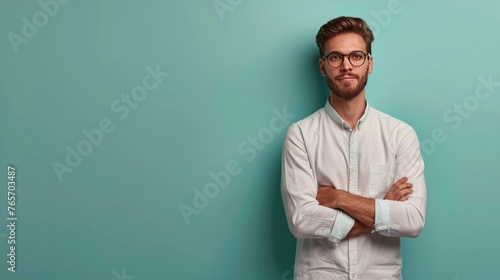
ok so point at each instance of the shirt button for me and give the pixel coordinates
(353, 275)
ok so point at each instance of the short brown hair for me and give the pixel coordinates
(344, 25)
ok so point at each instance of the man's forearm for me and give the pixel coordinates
(358, 207)
(358, 229)
(361, 209)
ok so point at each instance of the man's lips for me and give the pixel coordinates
(346, 78)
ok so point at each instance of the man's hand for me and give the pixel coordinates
(400, 191)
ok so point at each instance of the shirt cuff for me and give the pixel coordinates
(341, 227)
(382, 216)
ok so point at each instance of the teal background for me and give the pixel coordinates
(119, 208)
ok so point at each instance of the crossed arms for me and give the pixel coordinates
(312, 210)
(360, 208)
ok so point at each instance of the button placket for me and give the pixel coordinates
(353, 163)
(353, 188)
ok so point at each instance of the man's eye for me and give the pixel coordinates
(357, 56)
(335, 57)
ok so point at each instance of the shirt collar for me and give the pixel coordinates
(339, 121)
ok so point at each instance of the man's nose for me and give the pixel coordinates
(346, 64)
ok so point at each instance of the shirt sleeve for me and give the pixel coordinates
(299, 187)
(341, 227)
(405, 218)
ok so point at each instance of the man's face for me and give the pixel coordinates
(346, 81)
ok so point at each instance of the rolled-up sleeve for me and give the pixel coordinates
(341, 227)
(407, 218)
(299, 187)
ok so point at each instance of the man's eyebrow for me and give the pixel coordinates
(345, 53)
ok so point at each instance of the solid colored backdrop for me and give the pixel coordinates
(146, 135)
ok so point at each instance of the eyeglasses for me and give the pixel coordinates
(356, 58)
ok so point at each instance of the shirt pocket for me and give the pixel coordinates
(381, 179)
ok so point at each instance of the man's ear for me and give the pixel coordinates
(370, 64)
(322, 67)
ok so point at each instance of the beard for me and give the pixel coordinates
(345, 91)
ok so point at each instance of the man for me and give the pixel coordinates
(353, 177)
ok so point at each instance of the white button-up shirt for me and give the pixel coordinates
(322, 149)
